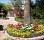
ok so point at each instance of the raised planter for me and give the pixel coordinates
(32, 37)
(25, 32)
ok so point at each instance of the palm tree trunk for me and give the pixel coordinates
(27, 12)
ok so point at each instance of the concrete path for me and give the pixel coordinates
(2, 35)
(8, 21)
(5, 23)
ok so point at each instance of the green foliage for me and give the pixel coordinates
(10, 30)
(18, 33)
(5, 6)
(17, 4)
(37, 9)
(0, 13)
(25, 31)
(42, 28)
(19, 19)
(40, 21)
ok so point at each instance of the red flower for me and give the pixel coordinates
(35, 28)
(10, 25)
(36, 23)
(19, 25)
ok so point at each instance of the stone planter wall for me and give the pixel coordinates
(34, 38)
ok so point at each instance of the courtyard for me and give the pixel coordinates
(21, 20)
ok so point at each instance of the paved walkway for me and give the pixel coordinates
(2, 35)
(5, 23)
(8, 21)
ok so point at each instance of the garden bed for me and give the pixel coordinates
(32, 38)
(25, 31)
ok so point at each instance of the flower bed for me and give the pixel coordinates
(25, 31)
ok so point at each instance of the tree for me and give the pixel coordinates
(27, 12)
(16, 4)
(1, 6)
(40, 5)
(5, 6)
(37, 9)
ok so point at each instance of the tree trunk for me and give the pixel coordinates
(27, 12)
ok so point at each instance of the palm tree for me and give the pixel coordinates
(27, 12)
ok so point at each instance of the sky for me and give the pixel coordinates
(33, 0)
(6, 1)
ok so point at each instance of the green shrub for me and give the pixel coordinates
(19, 19)
(40, 21)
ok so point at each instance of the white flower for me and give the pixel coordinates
(31, 27)
(32, 30)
